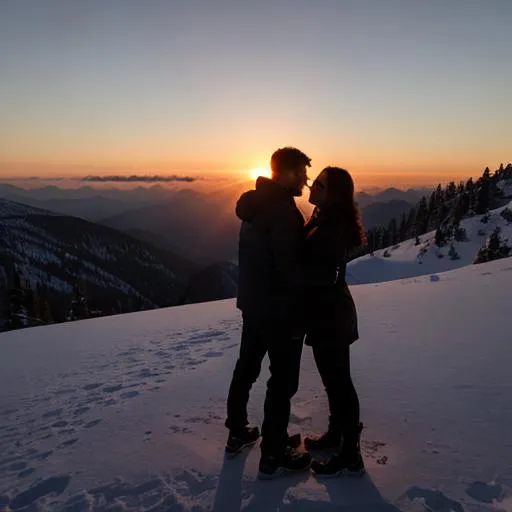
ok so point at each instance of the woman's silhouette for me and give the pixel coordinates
(332, 232)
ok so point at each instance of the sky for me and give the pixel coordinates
(389, 89)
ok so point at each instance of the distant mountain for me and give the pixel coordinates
(53, 260)
(86, 202)
(380, 213)
(201, 226)
(411, 196)
(137, 194)
(216, 282)
(395, 194)
(204, 227)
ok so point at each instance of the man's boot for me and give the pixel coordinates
(240, 439)
(288, 461)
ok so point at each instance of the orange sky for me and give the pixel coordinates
(382, 175)
(399, 93)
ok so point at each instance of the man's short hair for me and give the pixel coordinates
(288, 158)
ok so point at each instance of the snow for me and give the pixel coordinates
(126, 412)
(406, 260)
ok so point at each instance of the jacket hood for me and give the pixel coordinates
(267, 193)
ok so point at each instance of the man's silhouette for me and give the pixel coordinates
(270, 296)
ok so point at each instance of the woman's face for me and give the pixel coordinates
(318, 191)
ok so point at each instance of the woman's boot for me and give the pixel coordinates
(346, 462)
(331, 440)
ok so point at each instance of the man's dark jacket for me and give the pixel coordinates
(271, 243)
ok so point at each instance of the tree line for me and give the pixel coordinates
(441, 211)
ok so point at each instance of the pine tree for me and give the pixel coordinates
(16, 316)
(432, 205)
(506, 213)
(393, 232)
(402, 231)
(483, 194)
(421, 221)
(493, 249)
(452, 253)
(386, 238)
(410, 225)
(30, 305)
(47, 313)
(451, 191)
(461, 207)
(38, 306)
(440, 236)
(460, 234)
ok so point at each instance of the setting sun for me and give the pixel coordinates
(259, 171)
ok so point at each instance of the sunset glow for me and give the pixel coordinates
(255, 173)
(93, 88)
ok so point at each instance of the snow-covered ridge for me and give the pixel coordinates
(127, 412)
(407, 259)
(57, 252)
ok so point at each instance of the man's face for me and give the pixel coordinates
(297, 179)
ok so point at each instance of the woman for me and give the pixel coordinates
(332, 232)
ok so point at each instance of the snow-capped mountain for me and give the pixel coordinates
(52, 260)
(126, 413)
(410, 258)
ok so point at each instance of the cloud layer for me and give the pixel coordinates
(134, 178)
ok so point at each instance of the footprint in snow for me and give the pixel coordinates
(53, 413)
(80, 411)
(486, 493)
(25, 472)
(95, 385)
(92, 423)
(130, 394)
(112, 389)
(17, 466)
(213, 353)
(435, 501)
(69, 442)
(53, 485)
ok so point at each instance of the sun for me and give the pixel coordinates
(259, 171)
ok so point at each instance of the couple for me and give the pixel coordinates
(292, 285)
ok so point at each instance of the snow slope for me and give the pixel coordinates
(126, 412)
(406, 260)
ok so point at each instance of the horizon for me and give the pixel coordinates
(417, 93)
(208, 183)
(363, 183)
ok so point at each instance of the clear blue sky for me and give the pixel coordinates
(391, 86)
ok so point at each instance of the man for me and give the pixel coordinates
(270, 297)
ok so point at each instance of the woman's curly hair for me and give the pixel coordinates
(341, 205)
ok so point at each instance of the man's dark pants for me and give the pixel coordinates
(259, 337)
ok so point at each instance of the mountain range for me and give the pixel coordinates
(52, 262)
(179, 246)
(200, 225)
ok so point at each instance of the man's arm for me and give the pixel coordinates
(287, 239)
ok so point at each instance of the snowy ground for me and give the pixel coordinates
(126, 412)
(408, 260)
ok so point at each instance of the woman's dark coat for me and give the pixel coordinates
(331, 314)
